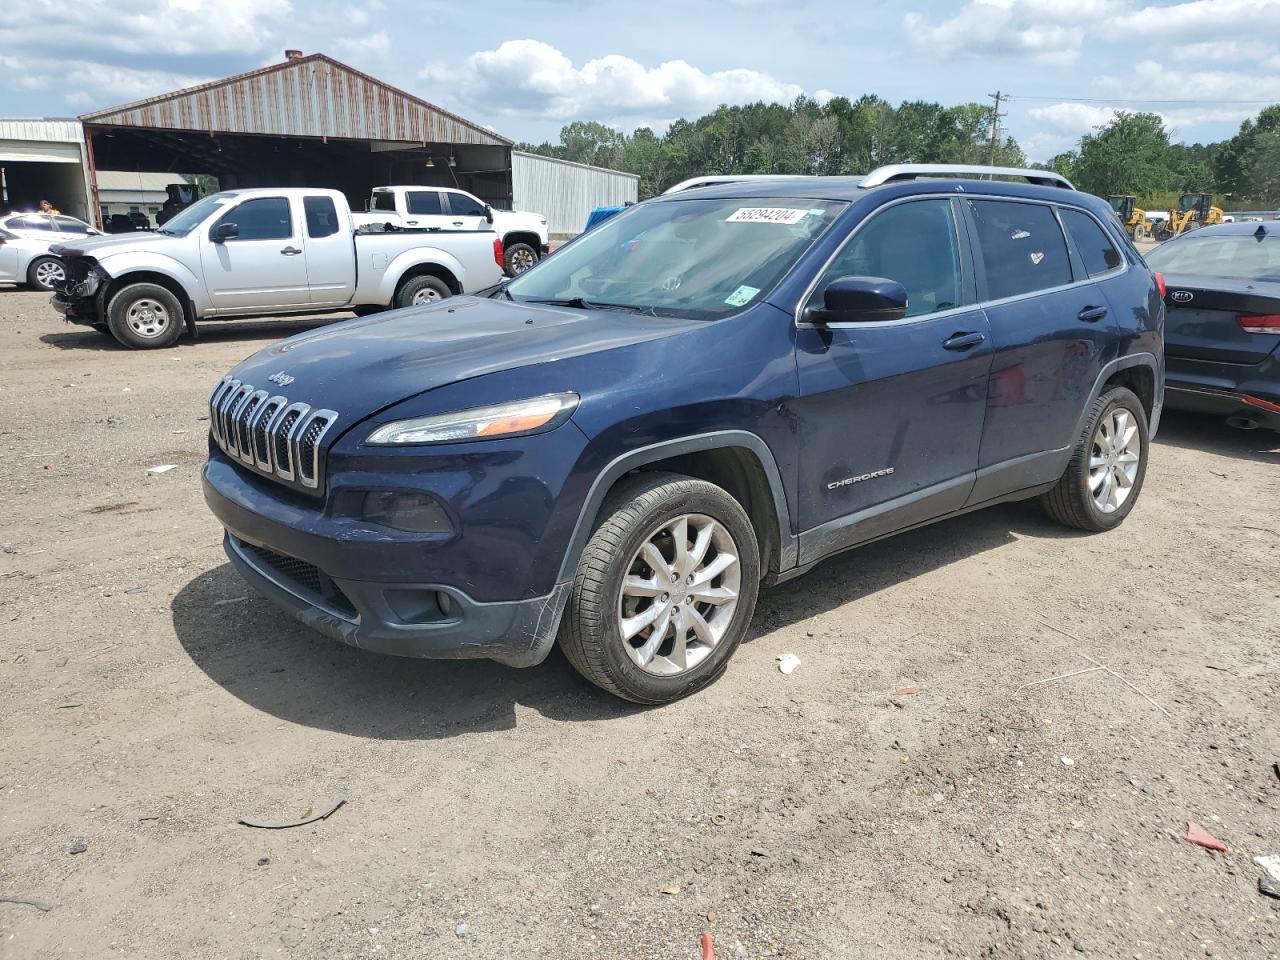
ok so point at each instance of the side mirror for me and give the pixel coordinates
(488, 213)
(859, 300)
(224, 232)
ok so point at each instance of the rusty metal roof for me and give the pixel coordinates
(313, 96)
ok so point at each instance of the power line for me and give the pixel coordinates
(1127, 100)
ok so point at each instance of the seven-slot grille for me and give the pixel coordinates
(268, 433)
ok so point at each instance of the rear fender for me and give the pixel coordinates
(407, 262)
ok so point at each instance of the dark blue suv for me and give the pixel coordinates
(711, 391)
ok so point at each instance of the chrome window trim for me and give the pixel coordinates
(966, 308)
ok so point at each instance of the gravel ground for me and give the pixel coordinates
(901, 795)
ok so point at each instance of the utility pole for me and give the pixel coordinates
(995, 124)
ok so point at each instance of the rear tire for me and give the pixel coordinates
(145, 316)
(422, 290)
(1102, 480)
(44, 273)
(697, 597)
(518, 258)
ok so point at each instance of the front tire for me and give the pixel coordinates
(145, 316)
(1104, 476)
(664, 591)
(518, 258)
(45, 273)
(418, 291)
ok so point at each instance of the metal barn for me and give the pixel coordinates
(565, 193)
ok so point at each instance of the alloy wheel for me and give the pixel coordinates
(1114, 459)
(522, 260)
(49, 273)
(679, 595)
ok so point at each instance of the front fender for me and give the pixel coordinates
(120, 266)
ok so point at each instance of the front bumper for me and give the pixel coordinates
(76, 310)
(406, 619)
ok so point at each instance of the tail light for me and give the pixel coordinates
(1267, 324)
(497, 251)
(1160, 285)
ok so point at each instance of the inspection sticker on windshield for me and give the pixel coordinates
(784, 215)
(742, 296)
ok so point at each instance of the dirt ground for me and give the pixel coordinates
(149, 701)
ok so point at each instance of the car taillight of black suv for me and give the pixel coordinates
(712, 391)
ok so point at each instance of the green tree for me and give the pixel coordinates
(1131, 154)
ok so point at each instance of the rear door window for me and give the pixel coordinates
(263, 218)
(1023, 249)
(1091, 242)
(424, 202)
(322, 216)
(71, 225)
(914, 243)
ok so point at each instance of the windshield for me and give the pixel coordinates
(692, 258)
(190, 218)
(1244, 257)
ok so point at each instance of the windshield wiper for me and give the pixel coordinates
(579, 303)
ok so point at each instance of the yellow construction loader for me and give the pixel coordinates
(1131, 215)
(1195, 210)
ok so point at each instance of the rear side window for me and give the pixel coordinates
(71, 225)
(384, 200)
(1092, 243)
(1022, 246)
(322, 216)
(464, 206)
(424, 202)
(913, 243)
(264, 218)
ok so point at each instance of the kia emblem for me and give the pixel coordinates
(1182, 296)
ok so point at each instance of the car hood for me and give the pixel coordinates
(105, 246)
(359, 367)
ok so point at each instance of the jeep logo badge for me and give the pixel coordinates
(1182, 296)
(282, 378)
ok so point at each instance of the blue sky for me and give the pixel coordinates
(527, 68)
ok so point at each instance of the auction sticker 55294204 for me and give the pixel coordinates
(784, 215)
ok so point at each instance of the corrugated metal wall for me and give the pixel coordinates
(311, 97)
(54, 131)
(565, 193)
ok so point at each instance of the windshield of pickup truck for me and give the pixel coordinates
(701, 259)
(186, 221)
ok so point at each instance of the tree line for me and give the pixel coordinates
(1132, 154)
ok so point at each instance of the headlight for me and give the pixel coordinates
(481, 423)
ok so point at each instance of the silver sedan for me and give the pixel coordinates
(27, 260)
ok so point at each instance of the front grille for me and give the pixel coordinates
(302, 578)
(277, 438)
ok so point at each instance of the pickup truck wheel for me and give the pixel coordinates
(145, 316)
(664, 591)
(45, 273)
(420, 290)
(518, 258)
(1104, 476)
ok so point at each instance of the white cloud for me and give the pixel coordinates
(1074, 118)
(150, 28)
(1202, 18)
(87, 85)
(1047, 31)
(367, 49)
(532, 77)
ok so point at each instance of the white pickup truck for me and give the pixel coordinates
(524, 235)
(263, 252)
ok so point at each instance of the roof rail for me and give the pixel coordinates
(895, 172)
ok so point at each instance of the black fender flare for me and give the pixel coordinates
(643, 456)
(1111, 369)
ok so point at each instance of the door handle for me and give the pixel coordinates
(291, 251)
(457, 223)
(963, 341)
(412, 223)
(1092, 314)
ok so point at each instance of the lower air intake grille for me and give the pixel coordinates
(301, 577)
